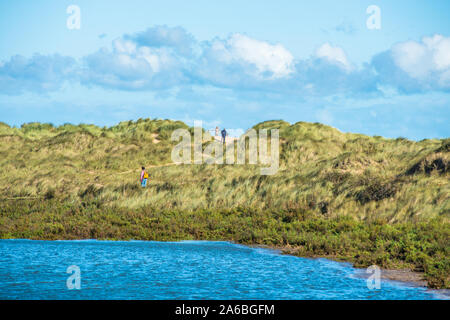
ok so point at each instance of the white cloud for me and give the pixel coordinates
(124, 46)
(273, 58)
(40, 73)
(148, 60)
(131, 66)
(164, 36)
(333, 55)
(440, 49)
(131, 55)
(423, 59)
(412, 57)
(269, 61)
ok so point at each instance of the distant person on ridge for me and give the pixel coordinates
(217, 131)
(224, 135)
(144, 178)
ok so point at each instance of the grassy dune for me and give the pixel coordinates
(348, 196)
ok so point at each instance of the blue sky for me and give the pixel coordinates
(229, 63)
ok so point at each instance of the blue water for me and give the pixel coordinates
(182, 270)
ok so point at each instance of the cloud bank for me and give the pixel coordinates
(416, 66)
(39, 73)
(162, 58)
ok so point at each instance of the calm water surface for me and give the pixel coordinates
(181, 270)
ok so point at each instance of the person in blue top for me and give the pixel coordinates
(224, 135)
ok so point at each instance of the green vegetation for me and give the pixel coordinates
(368, 200)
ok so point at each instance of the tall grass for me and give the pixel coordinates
(321, 170)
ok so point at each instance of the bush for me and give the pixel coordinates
(50, 194)
(376, 191)
(438, 164)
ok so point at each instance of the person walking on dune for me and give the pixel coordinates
(224, 135)
(217, 131)
(144, 178)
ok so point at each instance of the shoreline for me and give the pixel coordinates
(404, 275)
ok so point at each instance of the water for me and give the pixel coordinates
(182, 270)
